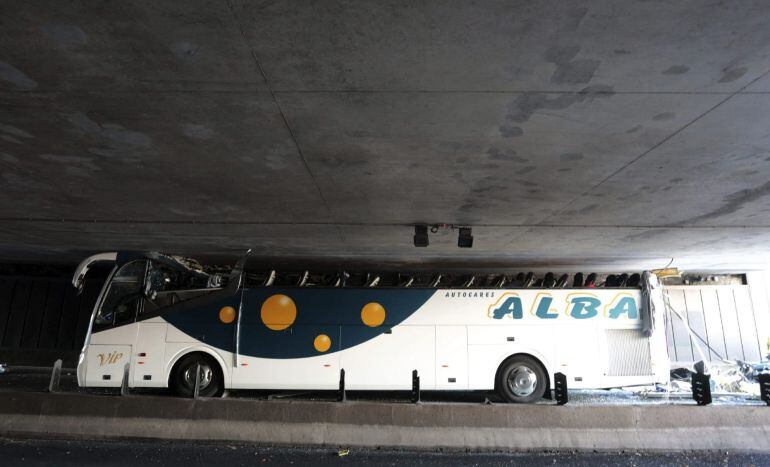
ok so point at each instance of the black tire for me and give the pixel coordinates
(182, 380)
(528, 380)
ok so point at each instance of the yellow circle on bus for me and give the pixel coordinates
(227, 314)
(373, 314)
(278, 312)
(322, 343)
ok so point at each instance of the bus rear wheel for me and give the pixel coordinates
(521, 379)
(184, 375)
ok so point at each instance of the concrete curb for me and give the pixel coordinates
(427, 426)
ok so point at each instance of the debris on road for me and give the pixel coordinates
(729, 378)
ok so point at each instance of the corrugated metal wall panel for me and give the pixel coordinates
(723, 319)
(747, 325)
(683, 350)
(759, 291)
(714, 333)
(697, 318)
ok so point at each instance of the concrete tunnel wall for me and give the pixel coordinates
(43, 319)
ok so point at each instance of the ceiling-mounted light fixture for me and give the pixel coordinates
(420, 235)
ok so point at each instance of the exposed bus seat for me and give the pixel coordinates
(577, 281)
(634, 280)
(518, 281)
(372, 282)
(591, 280)
(622, 280)
(529, 280)
(548, 280)
(342, 279)
(270, 279)
(303, 279)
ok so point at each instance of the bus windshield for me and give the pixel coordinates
(124, 295)
(147, 285)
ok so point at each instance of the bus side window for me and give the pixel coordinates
(122, 299)
(167, 285)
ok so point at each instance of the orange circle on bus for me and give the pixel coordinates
(278, 312)
(227, 314)
(373, 314)
(322, 343)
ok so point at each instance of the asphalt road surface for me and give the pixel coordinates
(34, 452)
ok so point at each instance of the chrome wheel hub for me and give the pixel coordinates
(522, 381)
(205, 375)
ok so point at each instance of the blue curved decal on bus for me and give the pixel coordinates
(300, 322)
(306, 322)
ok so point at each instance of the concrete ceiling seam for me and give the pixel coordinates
(283, 117)
(660, 143)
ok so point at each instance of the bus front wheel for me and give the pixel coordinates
(211, 383)
(521, 379)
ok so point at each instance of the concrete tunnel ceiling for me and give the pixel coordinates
(565, 133)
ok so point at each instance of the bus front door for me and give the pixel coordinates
(114, 328)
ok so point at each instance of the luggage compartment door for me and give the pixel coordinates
(451, 357)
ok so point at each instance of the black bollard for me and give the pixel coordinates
(560, 388)
(196, 390)
(701, 388)
(124, 381)
(764, 387)
(53, 386)
(415, 387)
(342, 395)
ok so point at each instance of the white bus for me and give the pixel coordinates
(166, 319)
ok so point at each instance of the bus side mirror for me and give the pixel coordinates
(78, 284)
(82, 269)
